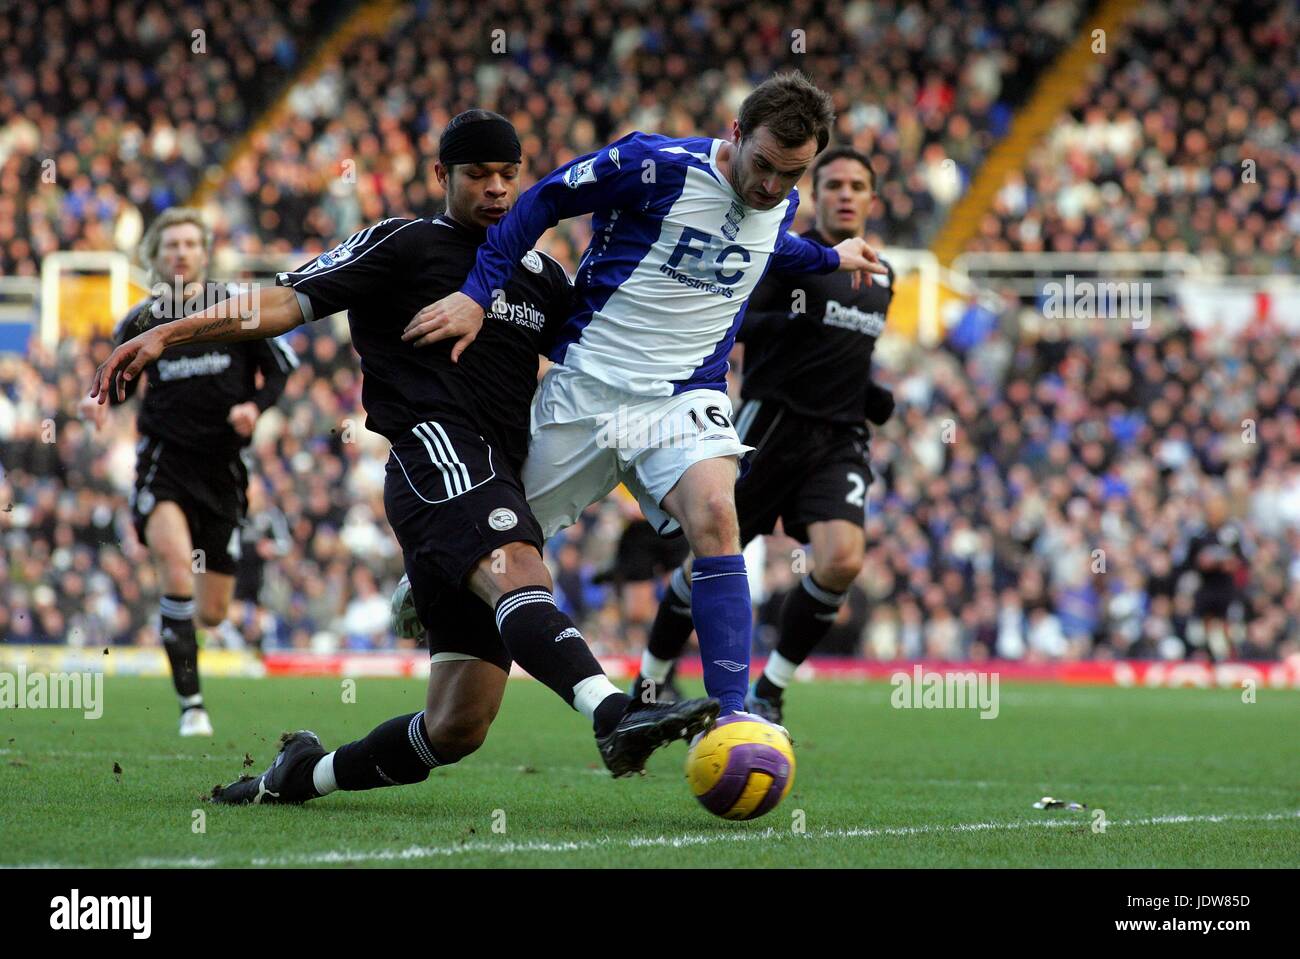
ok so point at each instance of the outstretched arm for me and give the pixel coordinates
(253, 314)
(90, 410)
(795, 254)
(610, 178)
(614, 177)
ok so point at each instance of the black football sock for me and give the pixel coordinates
(545, 642)
(806, 618)
(671, 629)
(766, 689)
(182, 647)
(396, 753)
(609, 712)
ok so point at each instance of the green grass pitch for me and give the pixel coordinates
(1185, 778)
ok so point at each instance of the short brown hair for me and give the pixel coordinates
(174, 216)
(792, 107)
(843, 153)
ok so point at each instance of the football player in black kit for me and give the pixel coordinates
(196, 417)
(459, 432)
(807, 392)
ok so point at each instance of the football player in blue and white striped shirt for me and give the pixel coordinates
(682, 232)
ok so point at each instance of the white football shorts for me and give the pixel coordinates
(588, 436)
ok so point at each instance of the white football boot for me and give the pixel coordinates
(195, 722)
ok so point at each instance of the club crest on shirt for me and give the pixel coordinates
(580, 173)
(502, 519)
(731, 227)
(532, 262)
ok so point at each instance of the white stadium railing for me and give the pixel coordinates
(19, 296)
(1026, 273)
(929, 328)
(116, 265)
(1182, 286)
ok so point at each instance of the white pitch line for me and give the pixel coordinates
(416, 853)
(192, 862)
(106, 754)
(1083, 787)
(340, 857)
(335, 857)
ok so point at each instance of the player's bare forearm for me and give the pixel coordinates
(249, 315)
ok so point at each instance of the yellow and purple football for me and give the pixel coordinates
(741, 768)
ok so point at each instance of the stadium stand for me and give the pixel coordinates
(1064, 442)
(359, 142)
(110, 112)
(1183, 140)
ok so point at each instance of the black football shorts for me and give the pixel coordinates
(802, 471)
(211, 492)
(452, 501)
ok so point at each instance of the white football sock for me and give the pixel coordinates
(779, 670)
(322, 777)
(655, 669)
(680, 586)
(591, 692)
(229, 635)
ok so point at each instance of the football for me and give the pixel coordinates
(406, 622)
(741, 768)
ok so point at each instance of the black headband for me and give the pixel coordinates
(491, 140)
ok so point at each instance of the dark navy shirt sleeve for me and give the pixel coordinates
(620, 176)
(360, 268)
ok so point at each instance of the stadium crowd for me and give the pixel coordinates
(1037, 496)
(113, 110)
(1185, 141)
(916, 83)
